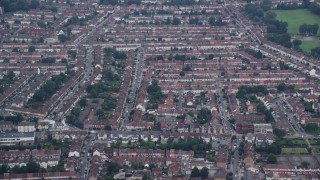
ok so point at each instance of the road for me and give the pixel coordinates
(222, 106)
(135, 85)
(86, 155)
(282, 105)
(87, 73)
(236, 158)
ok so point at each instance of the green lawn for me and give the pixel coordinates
(306, 46)
(294, 151)
(295, 18)
(315, 150)
(314, 141)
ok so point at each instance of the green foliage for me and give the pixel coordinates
(83, 102)
(216, 22)
(74, 117)
(195, 172)
(31, 167)
(312, 128)
(15, 49)
(279, 132)
(315, 52)
(272, 159)
(282, 39)
(197, 145)
(176, 21)
(274, 148)
(109, 83)
(46, 91)
(57, 168)
(284, 87)
(48, 60)
(254, 11)
(284, 66)
(155, 95)
(63, 38)
(31, 49)
(245, 90)
(308, 106)
(113, 168)
(187, 68)
(314, 7)
(77, 20)
(3, 169)
(72, 54)
(195, 21)
(204, 172)
(256, 54)
(41, 24)
(115, 2)
(18, 5)
(266, 5)
(309, 29)
(7, 79)
(277, 29)
(113, 53)
(137, 166)
(185, 2)
(204, 116)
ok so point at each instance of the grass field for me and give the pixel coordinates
(295, 18)
(306, 46)
(294, 151)
(315, 150)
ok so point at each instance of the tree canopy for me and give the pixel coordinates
(18, 5)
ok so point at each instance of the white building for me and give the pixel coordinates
(26, 127)
(16, 138)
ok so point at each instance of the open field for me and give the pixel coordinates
(306, 46)
(297, 17)
(296, 160)
(316, 150)
(294, 151)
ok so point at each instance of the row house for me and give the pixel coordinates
(44, 158)
(32, 176)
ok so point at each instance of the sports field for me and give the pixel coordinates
(297, 17)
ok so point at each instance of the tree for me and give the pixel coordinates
(281, 87)
(195, 172)
(204, 116)
(279, 132)
(182, 73)
(204, 172)
(31, 49)
(112, 168)
(187, 68)
(15, 49)
(210, 56)
(168, 21)
(305, 164)
(312, 127)
(62, 38)
(270, 16)
(272, 159)
(176, 21)
(315, 52)
(3, 169)
(41, 24)
(296, 43)
(83, 102)
(266, 5)
(229, 176)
